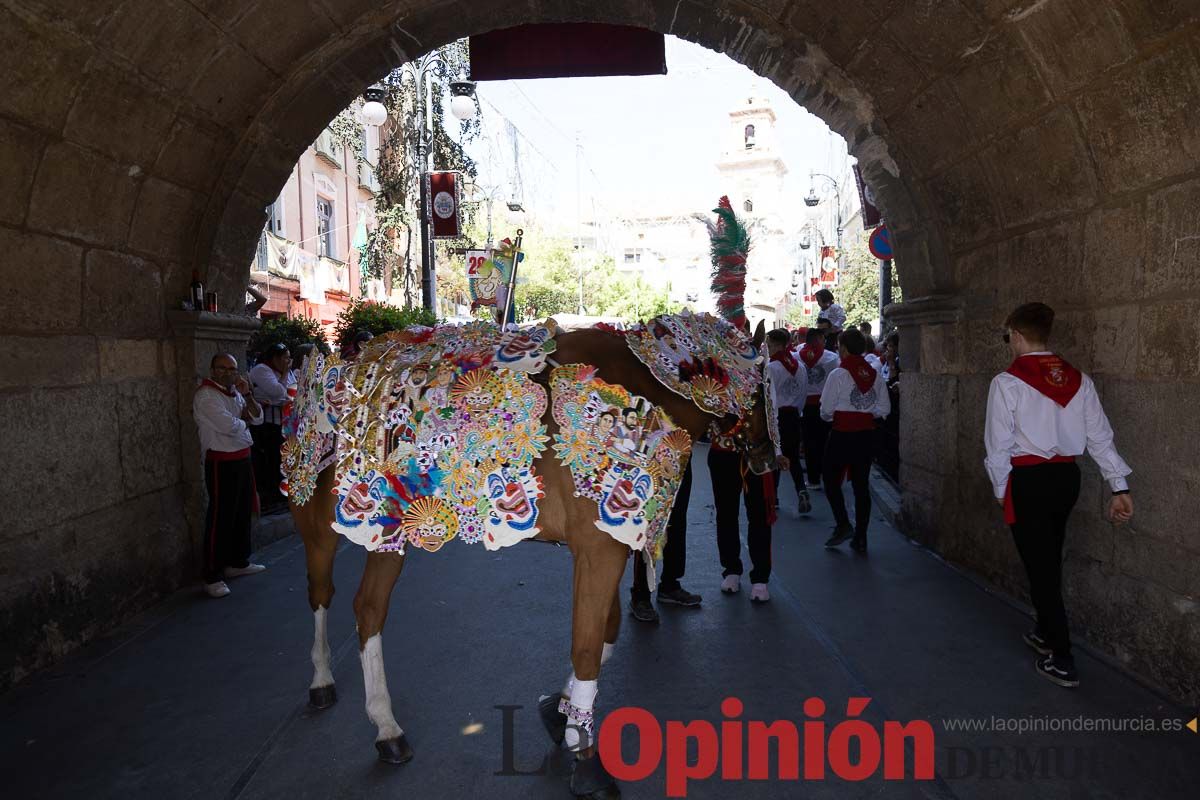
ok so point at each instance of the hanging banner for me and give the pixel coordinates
(828, 276)
(567, 50)
(871, 215)
(443, 204)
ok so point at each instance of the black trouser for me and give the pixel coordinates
(268, 439)
(674, 551)
(227, 523)
(816, 432)
(725, 468)
(789, 435)
(1043, 496)
(851, 450)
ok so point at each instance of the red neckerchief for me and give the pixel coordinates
(862, 372)
(789, 362)
(810, 354)
(1048, 374)
(217, 386)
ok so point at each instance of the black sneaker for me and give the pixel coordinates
(840, 534)
(678, 596)
(1057, 671)
(1035, 641)
(859, 544)
(642, 611)
(805, 503)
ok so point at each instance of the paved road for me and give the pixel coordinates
(207, 699)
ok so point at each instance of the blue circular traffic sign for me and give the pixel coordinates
(881, 243)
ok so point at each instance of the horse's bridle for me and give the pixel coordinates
(739, 433)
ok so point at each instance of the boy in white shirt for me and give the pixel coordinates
(854, 397)
(1041, 414)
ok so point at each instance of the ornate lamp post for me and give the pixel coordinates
(463, 107)
(812, 201)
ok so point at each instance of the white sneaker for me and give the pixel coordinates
(218, 589)
(732, 584)
(249, 569)
(759, 593)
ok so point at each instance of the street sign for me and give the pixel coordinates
(881, 243)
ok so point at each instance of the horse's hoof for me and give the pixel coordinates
(591, 780)
(322, 697)
(394, 751)
(554, 720)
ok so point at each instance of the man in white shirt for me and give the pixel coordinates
(789, 381)
(1041, 414)
(223, 408)
(853, 399)
(831, 310)
(269, 380)
(818, 363)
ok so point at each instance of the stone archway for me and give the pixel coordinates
(1019, 148)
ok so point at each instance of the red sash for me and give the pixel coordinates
(221, 455)
(1048, 374)
(785, 358)
(214, 385)
(853, 421)
(811, 354)
(1010, 512)
(861, 371)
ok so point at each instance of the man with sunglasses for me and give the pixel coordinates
(224, 408)
(1042, 413)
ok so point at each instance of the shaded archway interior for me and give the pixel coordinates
(1018, 149)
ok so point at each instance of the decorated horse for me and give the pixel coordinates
(498, 437)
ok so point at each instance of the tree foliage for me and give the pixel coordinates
(292, 331)
(378, 318)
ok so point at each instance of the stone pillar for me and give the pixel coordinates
(198, 337)
(931, 355)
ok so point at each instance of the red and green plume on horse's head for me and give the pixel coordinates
(730, 244)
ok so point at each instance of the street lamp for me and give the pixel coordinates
(812, 201)
(374, 112)
(462, 106)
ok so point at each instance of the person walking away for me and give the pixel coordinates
(223, 408)
(733, 483)
(818, 363)
(853, 399)
(1042, 413)
(789, 382)
(673, 561)
(269, 380)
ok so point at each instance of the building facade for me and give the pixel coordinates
(307, 263)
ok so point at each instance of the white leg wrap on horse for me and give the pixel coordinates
(580, 724)
(569, 685)
(606, 653)
(379, 702)
(322, 674)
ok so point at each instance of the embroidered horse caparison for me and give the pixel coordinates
(470, 433)
(434, 433)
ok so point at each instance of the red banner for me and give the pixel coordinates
(828, 275)
(443, 204)
(871, 215)
(567, 50)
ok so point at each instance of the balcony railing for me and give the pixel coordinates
(366, 177)
(328, 148)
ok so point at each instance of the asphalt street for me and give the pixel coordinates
(204, 698)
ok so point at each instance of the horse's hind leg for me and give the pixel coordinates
(370, 609)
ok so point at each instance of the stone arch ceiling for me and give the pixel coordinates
(173, 122)
(1020, 149)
